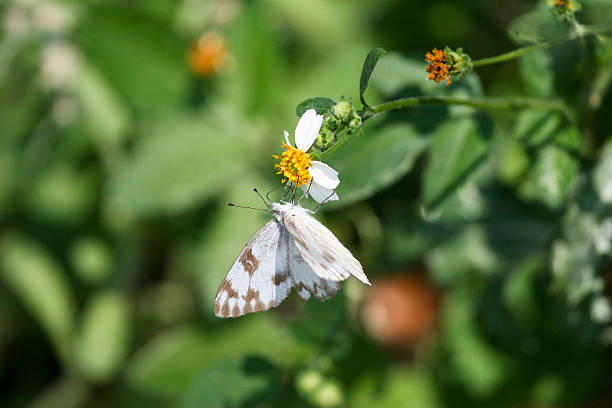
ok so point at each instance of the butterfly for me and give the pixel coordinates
(291, 250)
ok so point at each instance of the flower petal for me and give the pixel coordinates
(287, 137)
(321, 194)
(307, 129)
(323, 174)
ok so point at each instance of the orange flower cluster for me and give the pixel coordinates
(208, 55)
(438, 67)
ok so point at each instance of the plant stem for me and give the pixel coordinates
(481, 103)
(579, 32)
(513, 54)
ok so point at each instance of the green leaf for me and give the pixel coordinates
(554, 144)
(458, 148)
(138, 55)
(411, 387)
(167, 364)
(537, 73)
(91, 259)
(233, 382)
(39, 282)
(375, 160)
(368, 67)
(479, 367)
(182, 161)
(538, 26)
(602, 175)
(103, 339)
(106, 117)
(467, 253)
(519, 293)
(256, 82)
(62, 193)
(320, 104)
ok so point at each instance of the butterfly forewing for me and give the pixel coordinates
(321, 250)
(260, 278)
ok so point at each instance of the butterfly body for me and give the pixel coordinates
(291, 250)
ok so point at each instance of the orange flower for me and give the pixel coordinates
(208, 55)
(439, 67)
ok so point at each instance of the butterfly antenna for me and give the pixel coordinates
(242, 206)
(268, 193)
(323, 202)
(260, 196)
(306, 193)
(287, 190)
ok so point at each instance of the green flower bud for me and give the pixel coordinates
(564, 9)
(342, 110)
(461, 63)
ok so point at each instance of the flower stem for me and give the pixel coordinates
(481, 103)
(580, 31)
(513, 54)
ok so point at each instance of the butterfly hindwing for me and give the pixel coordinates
(307, 282)
(260, 278)
(320, 248)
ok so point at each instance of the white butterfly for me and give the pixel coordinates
(291, 250)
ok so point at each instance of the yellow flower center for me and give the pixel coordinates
(293, 165)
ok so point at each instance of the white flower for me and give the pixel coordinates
(315, 178)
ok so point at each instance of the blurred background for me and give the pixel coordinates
(126, 125)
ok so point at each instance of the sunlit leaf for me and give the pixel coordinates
(167, 364)
(537, 73)
(41, 285)
(103, 339)
(105, 115)
(62, 193)
(136, 54)
(181, 162)
(403, 387)
(458, 148)
(538, 26)
(602, 175)
(376, 159)
(555, 145)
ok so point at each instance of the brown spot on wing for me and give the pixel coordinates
(235, 311)
(254, 295)
(225, 309)
(322, 290)
(329, 257)
(279, 278)
(248, 261)
(227, 286)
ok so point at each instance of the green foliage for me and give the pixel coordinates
(368, 67)
(103, 339)
(249, 380)
(321, 105)
(41, 285)
(369, 164)
(116, 158)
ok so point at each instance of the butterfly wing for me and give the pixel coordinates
(320, 249)
(260, 277)
(307, 282)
